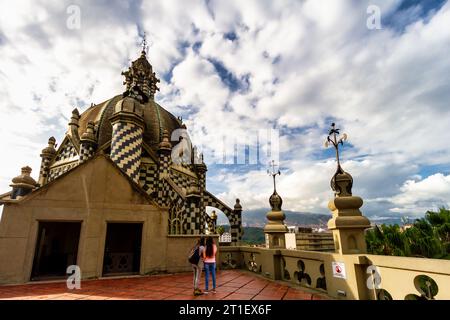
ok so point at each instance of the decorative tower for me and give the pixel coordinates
(201, 169)
(128, 127)
(348, 223)
(141, 75)
(237, 213)
(275, 228)
(87, 143)
(47, 155)
(165, 160)
(23, 184)
(73, 127)
(192, 208)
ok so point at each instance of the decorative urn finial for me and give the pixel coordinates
(23, 184)
(50, 149)
(165, 142)
(275, 227)
(347, 222)
(275, 199)
(89, 135)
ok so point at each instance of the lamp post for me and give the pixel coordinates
(335, 139)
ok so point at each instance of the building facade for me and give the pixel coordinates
(225, 238)
(300, 238)
(124, 192)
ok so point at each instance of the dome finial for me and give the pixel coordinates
(274, 173)
(141, 75)
(144, 44)
(275, 200)
(165, 143)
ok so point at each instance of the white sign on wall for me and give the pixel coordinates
(338, 270)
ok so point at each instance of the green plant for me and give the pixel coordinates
(428, 237)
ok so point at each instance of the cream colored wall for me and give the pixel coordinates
(398, 273)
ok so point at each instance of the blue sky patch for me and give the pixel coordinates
(228, 78)
(410, 11)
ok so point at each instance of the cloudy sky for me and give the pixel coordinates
(235, 68)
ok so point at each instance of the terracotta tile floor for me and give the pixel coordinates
(231, 285)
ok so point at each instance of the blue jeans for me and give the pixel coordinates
(210, 267)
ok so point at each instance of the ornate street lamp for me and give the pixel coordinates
(342, 181)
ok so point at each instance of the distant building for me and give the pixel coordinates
(225, 237)
(301, 238)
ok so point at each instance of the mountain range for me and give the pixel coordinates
(257, 218)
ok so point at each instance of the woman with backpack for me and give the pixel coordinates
(194, 258)
(209, 261)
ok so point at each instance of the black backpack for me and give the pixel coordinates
(194, 255)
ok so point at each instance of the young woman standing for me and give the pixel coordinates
(209, 261)
(196, 264)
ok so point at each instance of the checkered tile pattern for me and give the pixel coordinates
(202, 206)
(193, 218)
(162, 186)
(67, 152)
(44, 171)
(164, 163)
(209, 222)
(57, 171)
(234, 218)
(87, 151)
(163, 191)
(181, 180)
(126, 148)
(148, 177)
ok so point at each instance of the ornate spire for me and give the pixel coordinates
(89, 135)
(165, 143)
(141, 75)
(237, 205)
(275, 227)
(275, 200)
(144, 44)
(50, 150)
(342, 181)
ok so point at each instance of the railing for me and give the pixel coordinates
(407, 278)
(363, 276)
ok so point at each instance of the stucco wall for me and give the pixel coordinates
(94, 193)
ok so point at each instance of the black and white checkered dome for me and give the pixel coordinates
(156, 119)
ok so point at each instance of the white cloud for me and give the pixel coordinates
(304, 66)
(423, 195)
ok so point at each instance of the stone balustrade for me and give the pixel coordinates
(362, 276)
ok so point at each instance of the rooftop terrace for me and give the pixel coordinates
(231, 285)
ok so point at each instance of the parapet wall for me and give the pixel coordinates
(361, 276)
